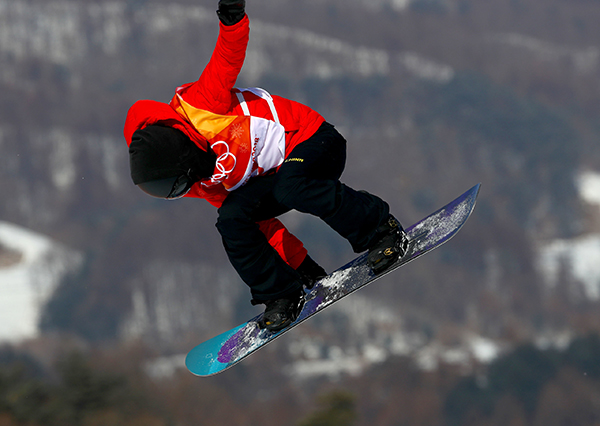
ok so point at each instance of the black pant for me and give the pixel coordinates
(307, 181)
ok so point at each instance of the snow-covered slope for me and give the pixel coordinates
(67, 32)
(589, 187)
(31, 266)
(577, 258)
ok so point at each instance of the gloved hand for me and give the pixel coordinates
(231, 11)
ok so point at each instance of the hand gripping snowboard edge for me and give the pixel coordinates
(227, 349)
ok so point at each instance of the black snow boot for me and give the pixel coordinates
(310, 272)
(390, 244)
(282, 312)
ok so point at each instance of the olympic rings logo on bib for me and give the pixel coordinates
(225, 163)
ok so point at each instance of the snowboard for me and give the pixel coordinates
(229, 348)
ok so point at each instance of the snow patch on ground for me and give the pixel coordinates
(585, 60)
(578, 258)
(316, 360)
(164, 367)
(27, 283)
(377, 333)
(473, 348)
(425, 68)
(588, 183)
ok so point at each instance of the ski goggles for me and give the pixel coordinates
(170, 188)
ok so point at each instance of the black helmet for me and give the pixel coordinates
(165, 163)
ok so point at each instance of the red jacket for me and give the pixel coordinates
(250, 131)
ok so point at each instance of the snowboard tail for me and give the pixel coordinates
(229, 348)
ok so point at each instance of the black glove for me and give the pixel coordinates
(231, 11)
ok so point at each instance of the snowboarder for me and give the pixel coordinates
(255, 156)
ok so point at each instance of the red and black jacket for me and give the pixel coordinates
(250, 131)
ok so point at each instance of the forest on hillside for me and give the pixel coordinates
(528, 386)
(432, 97)
(517, 114)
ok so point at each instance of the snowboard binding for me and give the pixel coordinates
(391, 244)
(280, 313)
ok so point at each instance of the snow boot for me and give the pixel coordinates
(390, 244)
(282, 312)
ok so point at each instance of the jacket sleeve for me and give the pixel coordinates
(212, 91)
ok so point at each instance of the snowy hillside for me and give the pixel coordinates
(429, 106)
(31, 266)
(66, 32)
(577, 258)
(433, 96)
